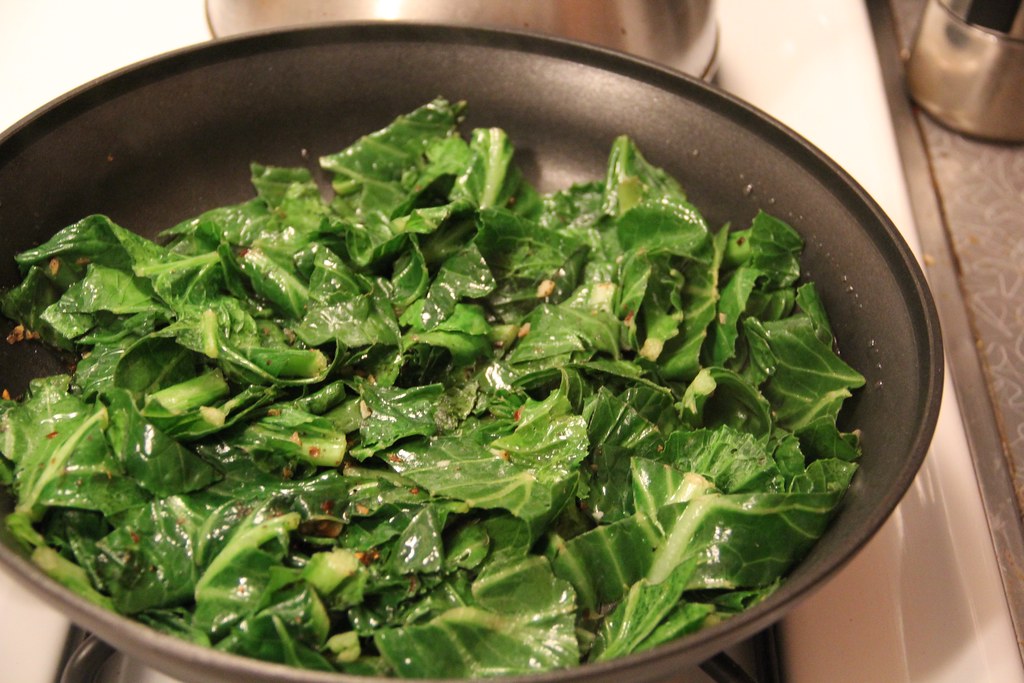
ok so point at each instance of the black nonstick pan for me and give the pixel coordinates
(165, 139)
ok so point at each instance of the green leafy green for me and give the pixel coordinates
(431, 422)
(522, 620)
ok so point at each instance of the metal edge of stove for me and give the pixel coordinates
(984, 435)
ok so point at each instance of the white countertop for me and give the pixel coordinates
(922, 603)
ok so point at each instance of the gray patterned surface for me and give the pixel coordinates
(982, 192)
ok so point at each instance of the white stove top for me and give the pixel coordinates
(923, 602)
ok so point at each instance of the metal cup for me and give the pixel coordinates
(968, 76)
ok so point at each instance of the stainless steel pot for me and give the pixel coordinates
(681, 34)
(967, 75)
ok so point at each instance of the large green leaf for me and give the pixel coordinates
(640, 612)
(233, 581)
(157, 462)
(462, 469)
(61, 456)
(149, 559)
(523, 621)
(808, 380)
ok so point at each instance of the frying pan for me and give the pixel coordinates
(163, 140)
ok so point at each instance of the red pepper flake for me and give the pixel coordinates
(54, 267)
(629, 318)
(295, 439)
(327, 506)
(393, 457)
(518, 414)
(287, 472)
(368, 557)
(16, 335)
(5, 395)
(414, 490)
(52, 434)
(243, 252)
(314, 452)
(362, 509)
(135, 537)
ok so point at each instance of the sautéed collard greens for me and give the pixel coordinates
(438, 424)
